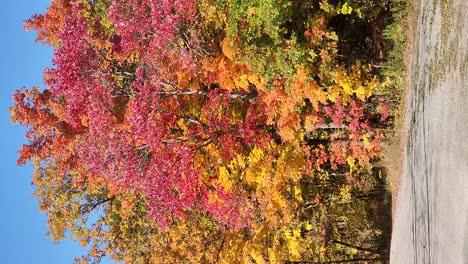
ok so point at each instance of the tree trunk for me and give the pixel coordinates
(354, 247)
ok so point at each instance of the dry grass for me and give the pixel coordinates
(396, 139)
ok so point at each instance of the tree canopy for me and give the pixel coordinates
(210, 131)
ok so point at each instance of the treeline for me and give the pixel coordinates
(213, 131)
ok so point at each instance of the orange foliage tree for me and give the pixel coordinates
(201, 134)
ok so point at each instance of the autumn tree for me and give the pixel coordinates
(209, 131)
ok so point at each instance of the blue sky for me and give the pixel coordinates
(22, 227)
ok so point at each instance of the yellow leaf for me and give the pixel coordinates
(345, 193)
(242, 82)
(351, 163)
(365, 139)
(346, 9)
(251, 11)
(224, 179)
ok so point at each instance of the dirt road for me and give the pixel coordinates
(431, 221)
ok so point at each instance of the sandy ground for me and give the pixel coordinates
(431, 221)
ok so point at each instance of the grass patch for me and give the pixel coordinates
(399, 35)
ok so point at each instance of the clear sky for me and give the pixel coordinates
(22, 227)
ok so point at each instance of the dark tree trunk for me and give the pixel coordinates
(354, 247)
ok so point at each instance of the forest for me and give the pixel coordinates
(215, 131)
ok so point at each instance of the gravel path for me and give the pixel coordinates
(431, 221)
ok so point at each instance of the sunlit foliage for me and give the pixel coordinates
(210, 131)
